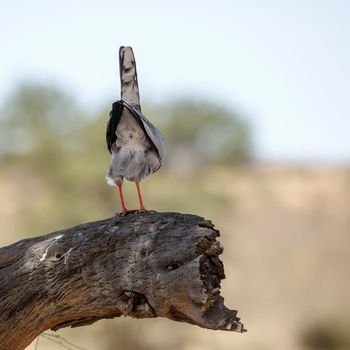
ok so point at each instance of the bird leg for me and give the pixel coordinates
(124, 209)
(142, 207)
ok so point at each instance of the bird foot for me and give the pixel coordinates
(144, 210)
(134, 211)
(126, 212)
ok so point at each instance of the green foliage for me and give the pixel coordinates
(44, 121)
(36, 118)
(207, 132)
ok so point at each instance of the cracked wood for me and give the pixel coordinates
(141, 265)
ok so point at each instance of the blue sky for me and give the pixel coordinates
(282, 64)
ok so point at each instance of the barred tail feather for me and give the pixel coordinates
(128, 77)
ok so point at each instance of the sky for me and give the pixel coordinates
(283, 65)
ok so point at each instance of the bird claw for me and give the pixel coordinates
(134, 211)
(144, 210)
(125, 212)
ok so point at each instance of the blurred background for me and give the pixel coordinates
(253, 100)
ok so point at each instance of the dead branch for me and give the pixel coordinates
(139, 265)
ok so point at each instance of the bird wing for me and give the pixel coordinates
(153, 134)
(128, 77)
(114, 118)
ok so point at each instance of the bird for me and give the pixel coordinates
(136, 145)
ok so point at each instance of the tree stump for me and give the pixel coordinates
(140, 265)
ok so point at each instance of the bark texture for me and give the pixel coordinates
(140, 265)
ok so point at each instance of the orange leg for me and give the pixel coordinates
(142, 207)
(120, 185)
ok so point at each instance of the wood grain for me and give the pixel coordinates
(140, 265)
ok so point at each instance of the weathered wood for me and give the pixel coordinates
(140, 265)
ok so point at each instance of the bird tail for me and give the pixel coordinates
(128, 77)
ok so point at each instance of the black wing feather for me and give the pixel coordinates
(114, 118)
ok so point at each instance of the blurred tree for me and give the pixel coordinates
(202, 132)
(36, 118)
